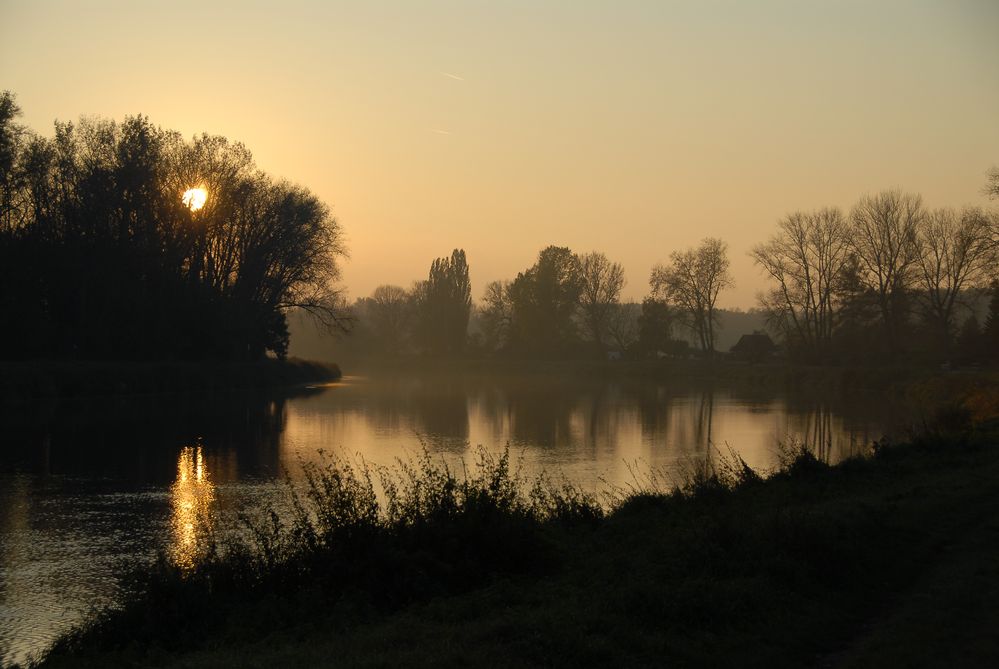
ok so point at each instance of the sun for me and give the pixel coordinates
(195, 198)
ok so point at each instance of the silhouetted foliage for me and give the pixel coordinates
(990, 333)
(443, 305)
(655, 327)
(103, 258)
(496, 315)
(544, 302)
(390, 314)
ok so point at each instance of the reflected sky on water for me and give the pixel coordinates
(91, 489)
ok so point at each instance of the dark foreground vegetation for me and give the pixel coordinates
(884, 560)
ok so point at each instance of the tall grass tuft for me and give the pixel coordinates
(359, 540)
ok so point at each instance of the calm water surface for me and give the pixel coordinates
(91, 490)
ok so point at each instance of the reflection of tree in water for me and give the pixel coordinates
(136, 439)
(560, 412)
(540, 413)
(836, 425)
(435, 407)
(703, 419)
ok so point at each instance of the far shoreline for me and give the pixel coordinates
(25, 383)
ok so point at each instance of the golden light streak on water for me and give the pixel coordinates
(191, 496)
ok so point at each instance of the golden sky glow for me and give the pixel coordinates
(195, 198)
(633, 128)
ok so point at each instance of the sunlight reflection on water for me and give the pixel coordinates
(191, 497)
(101, 488)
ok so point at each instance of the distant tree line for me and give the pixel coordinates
(103, 256)
(890, 281)
(565, 305)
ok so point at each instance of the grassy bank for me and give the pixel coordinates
(25, 383)
(886, 560)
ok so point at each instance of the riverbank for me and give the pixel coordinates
(23, 384)
(924, 388)
(888, 560)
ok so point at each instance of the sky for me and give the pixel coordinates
(631, 128)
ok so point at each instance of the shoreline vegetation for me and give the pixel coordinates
(887, 559)
(24, 384)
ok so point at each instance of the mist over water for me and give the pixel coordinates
(90, 490)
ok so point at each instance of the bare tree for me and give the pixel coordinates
(883, 236)
(992, 186)
(692, 281)
(497, 314)
(623, 326)
(602, 283)
(391, 314)
(805, 259)
(955, 253)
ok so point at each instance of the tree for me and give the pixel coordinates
(12, 136)
(497, 315)
(390, 315)
(805, 260)
(110, 262)
(602, 281)
(884, 238)
(692, 282)
(623, 325)
(655, 327)
(444, 304)
(544, 302)
(991, 331)
(954, 254)
(992, 185)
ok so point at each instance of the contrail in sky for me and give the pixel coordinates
(440, 132)
(452, 76)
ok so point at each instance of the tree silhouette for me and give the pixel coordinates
(692, 282)
(805, 260)
(444, 304)
(884, 238)
(103, 259)
(954, 254)
(544, 301)
(602, 281)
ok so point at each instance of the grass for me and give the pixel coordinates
(886, 560)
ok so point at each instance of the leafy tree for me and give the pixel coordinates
(390, 317)
(444, 304)
(12, 137)
(655, 327)
(107, 260)
(544, 302)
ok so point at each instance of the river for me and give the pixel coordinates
(92, 489)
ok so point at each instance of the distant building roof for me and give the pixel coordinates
(756, 344)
